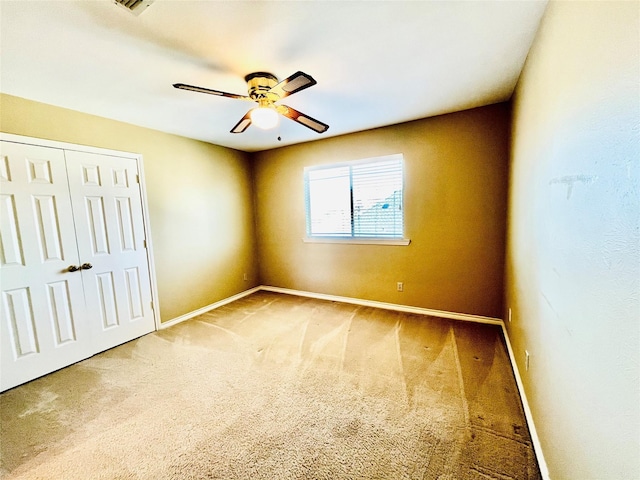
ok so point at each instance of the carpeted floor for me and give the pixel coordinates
(275, 386)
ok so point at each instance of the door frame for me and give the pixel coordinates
(10, 137)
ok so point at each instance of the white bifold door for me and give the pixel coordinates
(74, 270)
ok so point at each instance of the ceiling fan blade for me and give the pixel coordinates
(193, 88)
(243, 124)
(302, 119)
(296, 82)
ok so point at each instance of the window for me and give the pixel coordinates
(356, 200)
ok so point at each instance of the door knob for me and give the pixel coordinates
(84, 266)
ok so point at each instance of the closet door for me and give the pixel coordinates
(43, 326)
(107, 206)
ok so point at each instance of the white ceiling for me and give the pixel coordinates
(377, 63)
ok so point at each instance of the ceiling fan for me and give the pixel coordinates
(266, 91)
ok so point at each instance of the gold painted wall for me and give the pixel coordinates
(199, 197)
(573, 261)
(455, 213)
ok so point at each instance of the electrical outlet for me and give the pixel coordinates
(400, 286)
(526, 360)
(509, 315)
(245, 277)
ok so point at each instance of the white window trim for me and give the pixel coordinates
(359, 240)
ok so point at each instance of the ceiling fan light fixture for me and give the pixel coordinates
(264, 117)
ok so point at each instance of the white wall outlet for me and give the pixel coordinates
(400, 286)
(245, 277)
(509, 314)
(526, 360)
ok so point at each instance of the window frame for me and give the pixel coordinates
(351, 239)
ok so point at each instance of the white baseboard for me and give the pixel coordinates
(401, 308)
(336, 298)
(535, 440)
(202, 310)
(387, 306)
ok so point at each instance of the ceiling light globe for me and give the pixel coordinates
(264, 117)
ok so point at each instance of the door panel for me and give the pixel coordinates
(125, 224)
(48, 227)
(60, 312)
(96, 224)
(107, 207)
(11, 245)
(43, 326)
(22, 326)
(107, 300)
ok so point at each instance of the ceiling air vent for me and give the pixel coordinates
(135, 6)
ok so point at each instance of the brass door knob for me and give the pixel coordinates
(86, 266)
(73, 268)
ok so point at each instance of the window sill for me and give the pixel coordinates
(359, 241)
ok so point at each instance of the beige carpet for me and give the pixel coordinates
(278, 387)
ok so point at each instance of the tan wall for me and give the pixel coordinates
(455, 211)
(573, 263)
(199, 198)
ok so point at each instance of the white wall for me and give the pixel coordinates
(573, 261)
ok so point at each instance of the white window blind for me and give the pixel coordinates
(361, 199)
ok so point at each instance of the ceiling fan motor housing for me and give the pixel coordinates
(259, 85)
